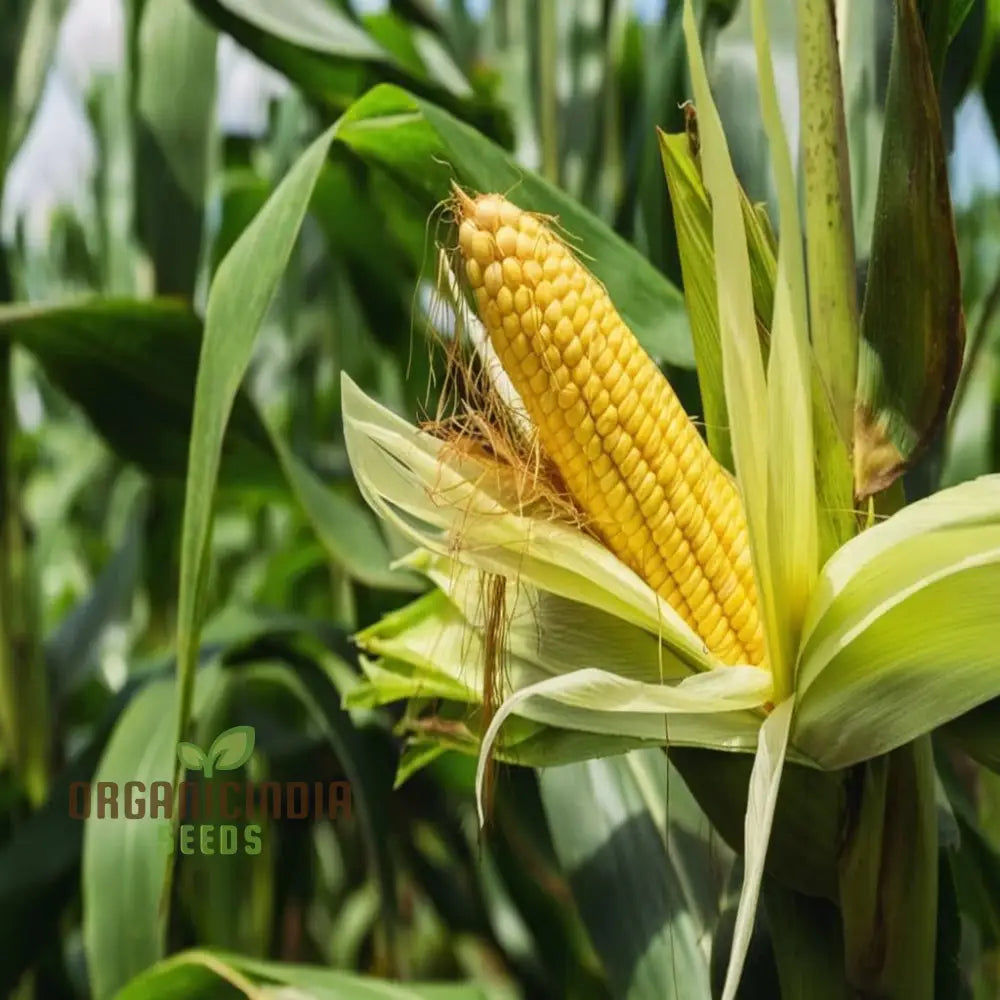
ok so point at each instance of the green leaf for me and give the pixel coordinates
(126, 856)
(912, 344)
(231, 749)
(808, 819)
(889, 877)
(334, 59)
(238, 299)
(426, 148)
(197, 973)
(794, 534)
(742, 364)
(191, 756)
(36, 46)
(613, 822)
(808, 945)
(902, 634)
(765, 779)
(829, 232)
(174, 118)
(124, 859)
(131, 367)
(71, 650)
(692, 215)
(367, 769)
(346, 531)
(40, 862)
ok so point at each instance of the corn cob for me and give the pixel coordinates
(612, 425)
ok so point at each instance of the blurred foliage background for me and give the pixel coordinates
(141, 138)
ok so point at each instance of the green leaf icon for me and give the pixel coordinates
(231, 749)
(191, 756)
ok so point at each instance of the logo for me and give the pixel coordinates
(216, 813)
(230, 750)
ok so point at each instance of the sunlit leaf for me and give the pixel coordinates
(765, 780)
(426, 148)
(131, 367)
(912, 344)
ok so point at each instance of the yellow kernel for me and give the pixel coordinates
(563, 334)
(530, 320)
(528, 224)
(527, 246)
(487, 211)
(505, 301)
(474, 272)
(539, 381)
(491, 316)
(532, 272)
(522, 299)
(553, 313)
(511, 271)
(493, 278)
(481, 247)
(507, 241)
(581, 372)
(606, 421)
(510, 214)
(573, 351)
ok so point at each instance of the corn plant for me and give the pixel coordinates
(543, 430)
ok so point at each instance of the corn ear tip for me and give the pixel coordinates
(465, 204)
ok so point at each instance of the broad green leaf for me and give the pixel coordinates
(889, 876)
(613, 822)
(239, 297)
(829, 233)
(900, 636)
(808, 945)
(40, 863)
(197, 974)
(426, 148)
(309, 23)
(345, 530)
(366, 766)
(692, 215)
(71, 650)
(333, 59)
(765, 780)
(131, 367)
(175, 107)
(14, 13)
(35, 47)
(958, 11)
(912, 344)
(791, 483)
(124, 858)
(808, 819)
(742, 365)
(860, 31)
